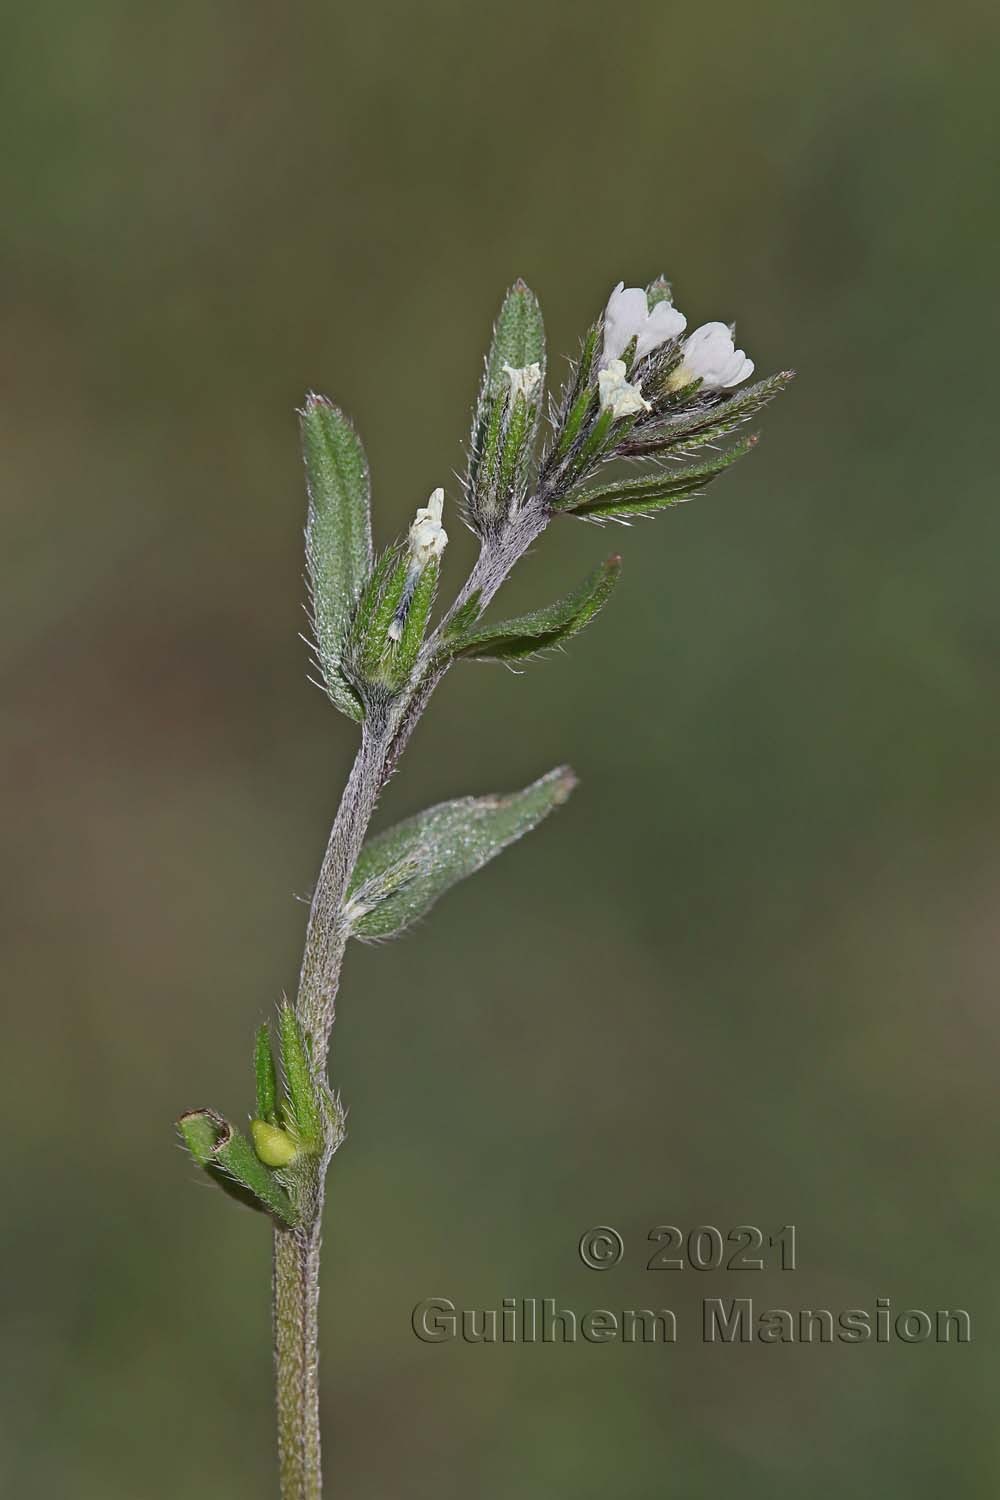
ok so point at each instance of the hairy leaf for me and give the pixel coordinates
(466, 615)
(338, 536)
(640, 497)
(230, 1160)
(447, 843)
(527, 634)
(578, 396)
(706, 421)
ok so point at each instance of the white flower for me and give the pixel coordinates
(627, 317)
(710, 356)
(428, 537)
(617, 396)
(427, 540)
(524, 380)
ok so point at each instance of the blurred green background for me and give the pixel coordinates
(747, 975)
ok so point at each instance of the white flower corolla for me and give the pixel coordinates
(428, 537)
(524, 380)
(627, 317)
(427, 540)
(616, 395)
(710, 356)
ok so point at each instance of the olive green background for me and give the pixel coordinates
(746, 975)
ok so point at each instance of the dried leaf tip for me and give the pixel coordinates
(564, 779)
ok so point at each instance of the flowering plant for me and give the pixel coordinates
(637, 392)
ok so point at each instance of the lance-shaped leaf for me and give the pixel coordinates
(338, 536)
(230, 1160)
(447, 843)
(705, 421)
(642, 497)
(304, 1107)
(511, 640)
(265, 1076)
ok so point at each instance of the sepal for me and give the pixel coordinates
(390, 623)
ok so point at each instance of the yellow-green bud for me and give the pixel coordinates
(274, 1146)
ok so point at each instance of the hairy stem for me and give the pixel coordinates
(326, 934)
(296, 1360)
(297, 1251)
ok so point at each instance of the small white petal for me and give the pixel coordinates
(624, 319)
(710, 356)
(616, 395)
(663, 323)
(428, 537)
(627, 317)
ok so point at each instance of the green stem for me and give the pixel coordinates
(296, 1360)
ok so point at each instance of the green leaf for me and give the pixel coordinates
(200, 1130)
(518, 338)
(641, 497)
(266, 1076)
(706, 421)
(338, 536)
(379, 886)
(579, 395)
(528, 634)
(305, 1109)
(447, 843)
(230, 1160)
